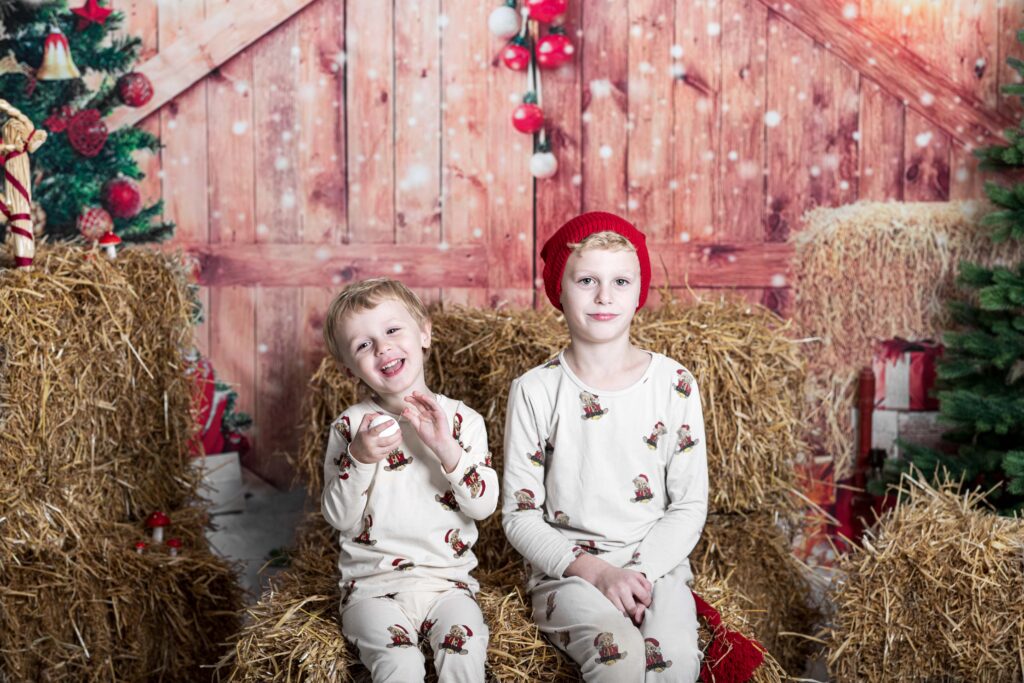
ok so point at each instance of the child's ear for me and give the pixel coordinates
(425, 335)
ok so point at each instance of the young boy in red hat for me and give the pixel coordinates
(619, 497)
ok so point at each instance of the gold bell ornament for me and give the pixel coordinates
(57, 62)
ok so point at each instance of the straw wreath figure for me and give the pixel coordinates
(19, 139)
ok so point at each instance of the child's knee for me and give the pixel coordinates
(675, 659)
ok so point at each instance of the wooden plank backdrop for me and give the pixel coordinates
(373, 137)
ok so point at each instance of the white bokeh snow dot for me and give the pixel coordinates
(923, 139)
(398, 268)
(322, 254)
(772, 118)
(288, 199)
(676, 51)
(778, 280)
(239, 127)
(262, 348)
(280, 163)
(600, 87)
(714, 28)
(927, 99)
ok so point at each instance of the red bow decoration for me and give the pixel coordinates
(731, 657)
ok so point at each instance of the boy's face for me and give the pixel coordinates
(383, 346)
(600, 293)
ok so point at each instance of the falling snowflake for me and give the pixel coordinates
(262, 229)
(477, 232)
(577, 180)
(442, 21)
(684, 237)
(733, 155)
(398, 268)
(815, 171)
(676, 51)
(241, 87)
(923, 139)
(600, 87)
(417, 175)
(927, 99)
(262, 348)
(714, 28)
(778, 280)
(605, 152)
(280, 163)
(288, 199)
(772, 118)
(239, 127)
(850, 11)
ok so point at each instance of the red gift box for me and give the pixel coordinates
(905, 374)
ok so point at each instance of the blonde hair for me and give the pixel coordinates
(606, 239)
(362, 296)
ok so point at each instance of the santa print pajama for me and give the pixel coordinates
(619, 474)
(387, 632)
(407, 531)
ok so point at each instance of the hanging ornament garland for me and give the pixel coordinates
(504, 21)
(528, 51)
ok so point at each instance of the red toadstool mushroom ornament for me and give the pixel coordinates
(109, 242)
(528, 117)
(174, 544)
(157, 521)
(140, 547)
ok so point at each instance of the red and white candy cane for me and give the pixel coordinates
(20, 138)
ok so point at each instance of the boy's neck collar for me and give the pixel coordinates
(394, 404)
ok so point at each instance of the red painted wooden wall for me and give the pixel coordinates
(368, 137)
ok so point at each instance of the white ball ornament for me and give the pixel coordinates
(543, 165)
(503, 22)
(384, 419)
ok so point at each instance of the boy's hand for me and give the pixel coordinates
(368, 446)
(431, 424)
(627, 590)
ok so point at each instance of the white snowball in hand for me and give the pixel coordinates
(384, 419)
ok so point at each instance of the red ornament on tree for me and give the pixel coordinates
(546, 11)
(516, 54)
(87, 132)
(554, 49)
(122, 197)
(134, 89)
(528, 117)
(57, 122)
(94, 222)
(91, 13)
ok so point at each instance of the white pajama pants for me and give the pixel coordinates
(387, 631)
(581, 621)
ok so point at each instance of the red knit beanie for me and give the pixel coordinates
(556, 251)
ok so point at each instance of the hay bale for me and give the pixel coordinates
(95, 435)
(294, 635)
(933, 594)
(97, 405)
(752, 553)
(99, 611)
(871, 271)
(750, 374)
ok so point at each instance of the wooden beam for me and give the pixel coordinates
(749, 264)
(334, 265)
(900, 71)
(740, 264)
(202, 49)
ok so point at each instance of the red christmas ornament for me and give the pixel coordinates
(516, 55)
(528, 117)
(57, 122)
(91, 13)
(554, 49)
(546, 11)
(94, 222)
(87, 132)
(134, 89)
(122, 197)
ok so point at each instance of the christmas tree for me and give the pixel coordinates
(981, 375)
(66, 69)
